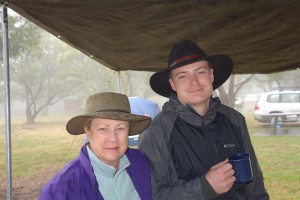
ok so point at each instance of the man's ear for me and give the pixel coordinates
(212, 77)
(172, 84)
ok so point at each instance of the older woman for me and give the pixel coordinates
(106, 168)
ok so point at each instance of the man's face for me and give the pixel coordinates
(193, 83)
(108, 139)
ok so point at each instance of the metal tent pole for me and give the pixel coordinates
(7, 100)
(119, 81)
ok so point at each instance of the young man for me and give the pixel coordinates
(189, 142)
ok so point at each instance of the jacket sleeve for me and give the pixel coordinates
(255, 189)
(164, 180)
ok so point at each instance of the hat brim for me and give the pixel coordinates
(222, 65)
(138, 123)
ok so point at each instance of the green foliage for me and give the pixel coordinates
(22, 35)
(44, 70)
(39, 80)
(88, 75)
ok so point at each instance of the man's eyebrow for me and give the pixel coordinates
(201, 67)
(178, 73)
(186, 71)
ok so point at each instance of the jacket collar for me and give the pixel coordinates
(188, 114)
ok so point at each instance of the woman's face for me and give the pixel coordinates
(108, 139)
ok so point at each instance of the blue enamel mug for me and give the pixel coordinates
(242, 167)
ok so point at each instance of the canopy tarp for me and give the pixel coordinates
(260, 36)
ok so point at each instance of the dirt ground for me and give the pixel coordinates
(27, 188)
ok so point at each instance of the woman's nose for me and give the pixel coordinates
(112, 136)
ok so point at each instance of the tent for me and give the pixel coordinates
(141, 106)
(260, 36)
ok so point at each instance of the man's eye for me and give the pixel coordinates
(200, 72)
(181, 76)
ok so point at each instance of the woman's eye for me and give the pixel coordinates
(102, 129)
(121, 129)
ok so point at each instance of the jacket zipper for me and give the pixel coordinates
(216, 150)
(215, 145)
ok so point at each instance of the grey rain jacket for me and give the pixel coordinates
(182, 146)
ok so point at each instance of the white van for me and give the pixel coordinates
(287, 102)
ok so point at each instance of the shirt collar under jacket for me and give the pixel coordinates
(104, 169)
(113, 184)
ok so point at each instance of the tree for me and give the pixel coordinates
(138, 84)
(37, 78)
(288, 80)
(228, 98)
(90, 76)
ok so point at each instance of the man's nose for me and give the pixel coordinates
(193, 79)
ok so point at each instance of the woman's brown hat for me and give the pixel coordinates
(108, 105)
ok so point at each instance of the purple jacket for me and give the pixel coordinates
(77, 180)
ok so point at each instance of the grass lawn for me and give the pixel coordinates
(48, 145)
(279, 158)
(39, 146)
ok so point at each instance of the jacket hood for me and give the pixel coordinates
(187, 112)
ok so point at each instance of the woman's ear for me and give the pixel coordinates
(87, 131)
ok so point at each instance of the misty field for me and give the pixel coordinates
(40, 150)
